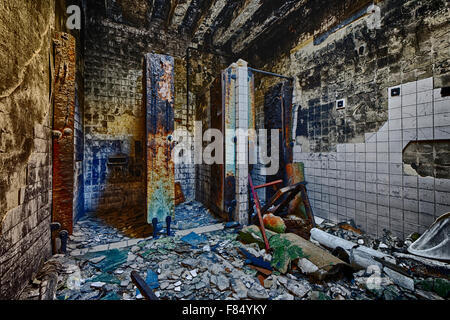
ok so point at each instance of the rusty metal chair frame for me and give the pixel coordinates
(289, 193)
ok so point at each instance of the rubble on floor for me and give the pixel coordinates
(218, 266)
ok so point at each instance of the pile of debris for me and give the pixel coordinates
(338, 262)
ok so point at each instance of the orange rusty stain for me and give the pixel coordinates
(165, 85)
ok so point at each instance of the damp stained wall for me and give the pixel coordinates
(114, 115)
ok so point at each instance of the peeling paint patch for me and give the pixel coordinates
(159, 100)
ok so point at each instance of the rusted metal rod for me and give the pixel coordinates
(271, 74)
(258, 210)
(145, 290)
(269, 184)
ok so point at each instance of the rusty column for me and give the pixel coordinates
(63, 131)
(159, 100)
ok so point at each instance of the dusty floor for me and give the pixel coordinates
(207, 266)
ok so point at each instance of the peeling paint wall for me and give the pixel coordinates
(160, 170)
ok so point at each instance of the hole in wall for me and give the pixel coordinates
(445, 92)
(429, 158)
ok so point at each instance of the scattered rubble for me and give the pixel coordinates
(217, 265)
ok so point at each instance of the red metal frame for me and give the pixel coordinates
(273, 183)
(258, 206)
(289, 192)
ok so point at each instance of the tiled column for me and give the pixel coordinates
(242, 107)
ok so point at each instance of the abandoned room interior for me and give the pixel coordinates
(224, 150)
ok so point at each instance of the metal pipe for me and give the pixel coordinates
(145, 290)
(271, 74)
(273, 183)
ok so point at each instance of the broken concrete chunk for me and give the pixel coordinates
(360, 259)
(297, 289)
(285, 296)
(268, 282)
(400, 279)
(216, 268)
(97, 284)
(307, 266)
(190, 263)
(223, 282)
(257, 293)
(193, 273)
(97, 259)
(124, 283)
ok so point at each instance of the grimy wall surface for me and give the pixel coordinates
(357, 58)
(26, 137)
(118, 37)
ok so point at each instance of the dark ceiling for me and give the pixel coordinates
(238, 27)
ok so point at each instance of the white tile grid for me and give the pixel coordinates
(383, 163)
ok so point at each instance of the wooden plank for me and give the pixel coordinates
(140, 283)
(261, 270)
(295, 174)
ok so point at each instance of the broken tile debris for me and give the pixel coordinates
(180, 267)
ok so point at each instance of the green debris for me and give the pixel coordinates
(253, 235)
(111, 296)
(62, 297)
(323, 296)
(438, 285)
(391, 293)
(149, 253)
(250, 272)
(442, 287)
(415, 236)
(114, 258)
(283, 253)
(142, 244)
(317, 295)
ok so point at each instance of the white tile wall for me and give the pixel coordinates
(367, 182)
